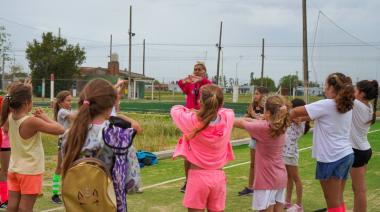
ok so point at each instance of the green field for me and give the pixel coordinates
(166, 197)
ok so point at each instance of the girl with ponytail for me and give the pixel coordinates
(64, 116)
(331, 137)
(26, 166)
(270, 173)
(205, 144)
(363, 116)
(96, 102)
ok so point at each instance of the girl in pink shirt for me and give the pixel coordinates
(191, 86)
(270, 173)
(205, 144)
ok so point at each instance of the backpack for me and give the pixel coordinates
(88, 192)
(112, 137)
(82, 191)
(146, 158)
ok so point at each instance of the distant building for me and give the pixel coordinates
(112, 73)
(313, 91)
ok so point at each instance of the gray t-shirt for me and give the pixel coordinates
(293, 134)
(63, 118)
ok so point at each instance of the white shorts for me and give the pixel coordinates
(263, 199)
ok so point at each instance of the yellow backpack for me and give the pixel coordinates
(87, 186)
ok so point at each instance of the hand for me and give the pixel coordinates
(187, 79)
(39, 113)
(195, 79)
(28, 82)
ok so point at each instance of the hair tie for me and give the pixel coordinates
(9, 97)
(86, 102)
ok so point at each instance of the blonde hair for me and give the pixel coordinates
(279, 119)
(211, 101)
(201, 63)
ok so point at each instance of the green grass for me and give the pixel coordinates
(168, 198)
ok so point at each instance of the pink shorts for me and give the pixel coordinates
(5, 145)
(205, 189)
(24, 183)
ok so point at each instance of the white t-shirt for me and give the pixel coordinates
(331, 135)
(361, 117)
(63, 119)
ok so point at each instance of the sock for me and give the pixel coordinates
(338, 209)
(343, 207)
(56, 184)
(3, 191)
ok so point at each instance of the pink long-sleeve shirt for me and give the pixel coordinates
(191, 90)
(211, 148)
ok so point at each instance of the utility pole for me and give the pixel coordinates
(262, 64)
(110, 47)
(130, 53)
(219, 48)
(59, 32)
(144, 57)
(305, 55)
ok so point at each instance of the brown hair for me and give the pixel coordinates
(344, 89)
(61, 96)
(211, 101)
(98, 95)
(279, 119)
(297, 103)
(19, 95)
(370, 88)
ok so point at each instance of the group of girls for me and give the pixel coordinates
(340, 145)
(26, 165)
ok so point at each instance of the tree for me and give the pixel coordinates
(290, 82)
(54, 56)
(313, 84)
(17, 72)
(267, 82)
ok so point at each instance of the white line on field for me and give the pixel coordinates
(182, 178)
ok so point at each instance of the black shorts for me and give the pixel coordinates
(361, 157)
(5, 149)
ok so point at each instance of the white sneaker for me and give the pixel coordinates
(295, 208)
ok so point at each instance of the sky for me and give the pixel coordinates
(342, 34)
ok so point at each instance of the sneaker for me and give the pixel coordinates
(4, 204)
(246, 191)
(55, 198)
(183, 189)
(295, 208)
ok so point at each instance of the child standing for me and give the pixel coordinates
(191, 86)
(96, 102)
(255, 111)
(64, 116)
(290, 152)
(26, 165)
(270, 172)
(331, 137)
(363, 116)
(206, 145)
(5, 154)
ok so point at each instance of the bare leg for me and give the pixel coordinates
(278, 207)
(59, 163)
(359, 188)
(269, 209)
(289, 187)
(295, 177)
(27, 203)
(13, 201)
(252, 169)
(332, 192)
(4, 159)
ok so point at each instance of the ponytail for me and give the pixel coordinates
(211, 102)
(344, 89)
(370, 88)
(279, 119)
(76, 137)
